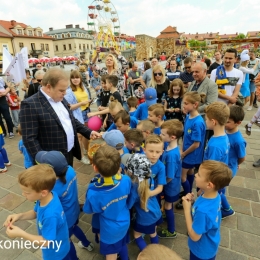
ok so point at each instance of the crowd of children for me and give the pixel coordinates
(140, 170)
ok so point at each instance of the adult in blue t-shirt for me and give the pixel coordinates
(206, 216)
(52, 225)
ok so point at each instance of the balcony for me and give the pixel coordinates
(36, 52)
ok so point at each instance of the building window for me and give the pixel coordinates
(42, 46)
(62, 35)
(80, 46)
(64, 47)
(87, 46)
(33, 46)
(47, 47)
(21, 45)
(84, 47)
(20, 31)
(30, 33)
(56, 47)
(40, 34)
(69, 46)
(55, 36)
(69, 35)
(91, 46)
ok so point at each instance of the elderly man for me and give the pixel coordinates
(148, 74)
(135, 76)
(47, 122)
(203, 84)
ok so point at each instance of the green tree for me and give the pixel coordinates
(240, 36)
(196, 45)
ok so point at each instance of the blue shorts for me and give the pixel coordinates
(193, 257)
(147, 229)
(171, 198)
(108, 249)
(252, 86)
(72, 227)
(2, 141)
(188, 166)
(85, 114)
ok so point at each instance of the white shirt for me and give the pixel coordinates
(64, 117)
(235, 77)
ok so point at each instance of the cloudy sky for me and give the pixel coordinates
(142, 16)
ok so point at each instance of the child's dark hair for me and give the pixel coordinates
(38, 177)
(132, 102)
(124, 116)
(218, 111)
(107, 160)
(237, 113)
(103, 78)
(113, 79)
(134, 136)
(178, 83)
(157, 109)
(174, 127)
(218, 173)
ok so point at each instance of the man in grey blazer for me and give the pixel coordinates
(203, 84)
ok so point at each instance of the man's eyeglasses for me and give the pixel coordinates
(38, 66)
(186, 68)
(39, 80)
(157, 74)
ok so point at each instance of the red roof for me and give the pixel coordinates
(9, 25)
(253, 33)
(5, 35)
(169, 32)
(227, 36)
(201, 36)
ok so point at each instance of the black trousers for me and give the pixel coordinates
(69, 158)
(4, 110)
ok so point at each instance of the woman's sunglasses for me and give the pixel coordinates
(157, 74)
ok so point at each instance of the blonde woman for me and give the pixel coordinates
(112, 68)
(160, 82)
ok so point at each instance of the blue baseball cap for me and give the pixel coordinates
(114, 138)
(55, 159)
(150, 96)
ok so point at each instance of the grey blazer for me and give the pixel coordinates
(208, 87)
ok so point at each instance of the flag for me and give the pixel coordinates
(7, 59)
(24, 52)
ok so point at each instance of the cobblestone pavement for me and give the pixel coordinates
(240, 234)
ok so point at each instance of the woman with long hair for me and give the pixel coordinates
(160, 82)
(78, 98)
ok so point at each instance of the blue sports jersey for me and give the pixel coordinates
(52, 225)
(194, 131)
(172, 161)
(141, 112)
(158, 174)
(206, 215)
(142, 217)
(28, 160)
(237, 150)
(68, 195)
(217, 149)
(131, 113)
(133, 124)
(157, 130)
(108, 197)
(125, 151)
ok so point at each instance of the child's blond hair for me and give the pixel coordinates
(157, 109)
(174, 127)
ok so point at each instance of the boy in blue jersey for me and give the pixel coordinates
(153, 150)
(134, 140)
(237, 151)
(203, 219)
(171, 131)
(67, 191)
(156, 114)
(150, 96)
(217, 115)
(28, 160)
(123, 121)
(36, 184)
(132, 103)
(108, 196)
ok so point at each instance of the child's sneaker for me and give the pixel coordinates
(179, 205)
(85, 160)
(8, 164)
(257, 123)
(3, 170)
(90, 247)
(166, 234)
(227, 213)
(11, 135)
(248, 130)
